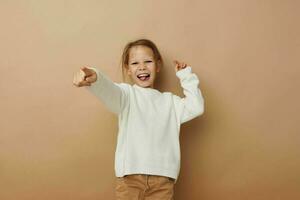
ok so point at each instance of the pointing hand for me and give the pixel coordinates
(85, 77)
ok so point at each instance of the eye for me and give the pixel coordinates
(149, 61)
(134, 63)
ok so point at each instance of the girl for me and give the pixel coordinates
(147, 156)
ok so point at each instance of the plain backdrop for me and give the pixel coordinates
(58, 141)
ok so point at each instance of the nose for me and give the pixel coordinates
(142, 67)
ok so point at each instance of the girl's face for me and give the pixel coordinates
(141, 66)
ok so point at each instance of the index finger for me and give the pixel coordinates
(86, 71)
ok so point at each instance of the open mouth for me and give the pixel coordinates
(143, 77)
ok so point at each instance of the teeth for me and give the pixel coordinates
(140, 75)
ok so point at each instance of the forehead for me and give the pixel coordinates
(140, 52)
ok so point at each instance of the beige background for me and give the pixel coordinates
(58, 141)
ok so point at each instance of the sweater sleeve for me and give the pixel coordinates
(112, 95)
(192, 105)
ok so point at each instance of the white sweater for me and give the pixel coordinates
(149, 122)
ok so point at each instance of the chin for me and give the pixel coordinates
(145, 85)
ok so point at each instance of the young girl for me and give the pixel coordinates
(147, 156)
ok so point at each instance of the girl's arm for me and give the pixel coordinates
(110, 93)
(192, 105)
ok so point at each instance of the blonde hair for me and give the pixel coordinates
(140, 42)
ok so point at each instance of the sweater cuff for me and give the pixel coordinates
(97, 85)
(184, 72)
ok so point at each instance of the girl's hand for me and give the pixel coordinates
(85, 77)
(179, 65)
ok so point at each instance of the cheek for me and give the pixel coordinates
(152, 67)
(130, 71)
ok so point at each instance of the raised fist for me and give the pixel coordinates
(179, 65)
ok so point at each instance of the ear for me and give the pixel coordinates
(158, 69)
(158, 66)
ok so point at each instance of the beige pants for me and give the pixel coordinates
(144, 187)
